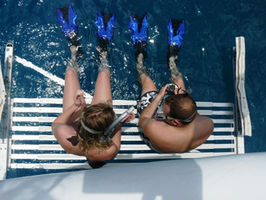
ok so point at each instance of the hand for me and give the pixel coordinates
(129, 118)
(79, 99)
(163, 91)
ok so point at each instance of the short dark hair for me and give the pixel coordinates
(182, 108)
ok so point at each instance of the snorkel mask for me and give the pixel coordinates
(111, 130)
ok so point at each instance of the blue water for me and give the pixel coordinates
(205, 58)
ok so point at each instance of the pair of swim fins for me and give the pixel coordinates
(138, 27)
(105, 23)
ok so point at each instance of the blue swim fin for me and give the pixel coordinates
(105, 23)
(138, 26)
(66, 17)
(176, 30)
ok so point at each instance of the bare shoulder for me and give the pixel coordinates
(159, 132)
(202, 130)
(204, 123)
(167, 138)
(151, 126)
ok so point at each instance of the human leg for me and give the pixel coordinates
(146, 82)
(105, 25)
(176, 75)
(148, 88)
(67, 19)
(138, 27)
(71, 80)
(102, 91)
(176, 29)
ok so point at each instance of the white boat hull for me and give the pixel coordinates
(226, 177)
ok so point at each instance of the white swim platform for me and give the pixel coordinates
(33, 141)
(30, 144)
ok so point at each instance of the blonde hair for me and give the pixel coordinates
(97, 117)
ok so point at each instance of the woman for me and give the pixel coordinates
(71, 127)
(79, 129)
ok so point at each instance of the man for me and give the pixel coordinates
(169, 118)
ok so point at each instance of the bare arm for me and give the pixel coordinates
(67, 116)
(64, 131)
(117, 140)
(73, 112)
(62, 126)
(148, 112)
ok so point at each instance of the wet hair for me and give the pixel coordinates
(97, 117)
(182, 108)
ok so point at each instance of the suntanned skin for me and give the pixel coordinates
(65, 126)
(175, 137)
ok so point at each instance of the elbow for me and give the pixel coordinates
(211, 127)
(117, 148)
(140, 122)
(142, 119)
(55, 124)
(210, 130)
(54, 127)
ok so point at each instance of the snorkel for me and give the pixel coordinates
(110, 131)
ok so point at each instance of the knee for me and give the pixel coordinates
(104, 74)
(71, 72)
(147, 81)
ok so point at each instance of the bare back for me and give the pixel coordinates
(167, 138)
(67, 136)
